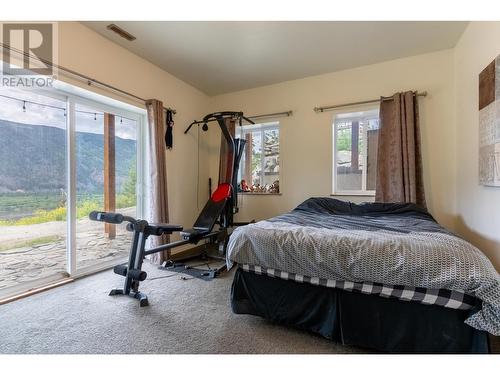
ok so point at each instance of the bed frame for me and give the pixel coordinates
(350, 318)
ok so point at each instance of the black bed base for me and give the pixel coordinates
(370, 321)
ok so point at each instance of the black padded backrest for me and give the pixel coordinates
(209, 215)
(214, 207)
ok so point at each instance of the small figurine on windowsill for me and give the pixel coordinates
(256, 188)
(244, 186)
(275, 187)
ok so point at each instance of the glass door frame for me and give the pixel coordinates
(139, 117)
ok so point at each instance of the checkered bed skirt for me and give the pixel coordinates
(447, 298)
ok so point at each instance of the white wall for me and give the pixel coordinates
(85, 51)
(306, 137)
(478, 207)
(449, 123)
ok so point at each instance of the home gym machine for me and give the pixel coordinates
(219, 210)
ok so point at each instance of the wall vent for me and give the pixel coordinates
(121, 32)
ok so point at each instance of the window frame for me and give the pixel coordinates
(363, 191)
(87, 100)
(262, 127)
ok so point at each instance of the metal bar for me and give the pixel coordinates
(330, 107)
(165, 247)
(84, 77)
(171, 245)
(219, 116)
(131, 262)
(197, 122)
(246, 118)
(268, 115)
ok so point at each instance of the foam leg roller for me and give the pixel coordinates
(120, 270)
(138, 275)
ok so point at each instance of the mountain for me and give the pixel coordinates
(33, 159)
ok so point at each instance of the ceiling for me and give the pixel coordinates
(220, 57)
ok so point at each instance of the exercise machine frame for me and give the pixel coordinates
(219, 209)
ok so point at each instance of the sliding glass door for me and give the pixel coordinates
(62, 156)
(32, 187)
(106, 180)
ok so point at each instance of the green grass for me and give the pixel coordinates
(18, 205)
(29, 243)
(36, 208)
(86, 205)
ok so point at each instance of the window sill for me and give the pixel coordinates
(352, 194)
(252, 193)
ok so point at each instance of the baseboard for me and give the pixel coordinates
(35, 291)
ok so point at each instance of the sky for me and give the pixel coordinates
(12, 110)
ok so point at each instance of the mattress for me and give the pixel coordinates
(390, 245)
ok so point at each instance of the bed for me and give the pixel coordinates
(376, 275)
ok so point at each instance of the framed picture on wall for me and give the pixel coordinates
(489, 124)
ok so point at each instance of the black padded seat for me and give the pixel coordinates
(157, 229)
(194, 234)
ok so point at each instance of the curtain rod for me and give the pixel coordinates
(268, 115)
(90, 81)
(330, 107)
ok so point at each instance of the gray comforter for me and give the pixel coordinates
(393, 244)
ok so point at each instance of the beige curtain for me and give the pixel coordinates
(225, 162)
(399, 161)
(158, 197)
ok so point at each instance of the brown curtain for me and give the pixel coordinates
(158, 197)
(225, 162)
(399, 161)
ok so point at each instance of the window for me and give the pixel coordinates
(355, 139)
(32, 187)
(106, 180)
(63, 153)
(260, 163)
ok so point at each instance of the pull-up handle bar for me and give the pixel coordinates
(219, 116)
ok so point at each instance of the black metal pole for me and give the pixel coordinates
(165, 247)
(177, 243)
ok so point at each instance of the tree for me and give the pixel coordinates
(127, 196)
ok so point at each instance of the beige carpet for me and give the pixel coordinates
(184, 316)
